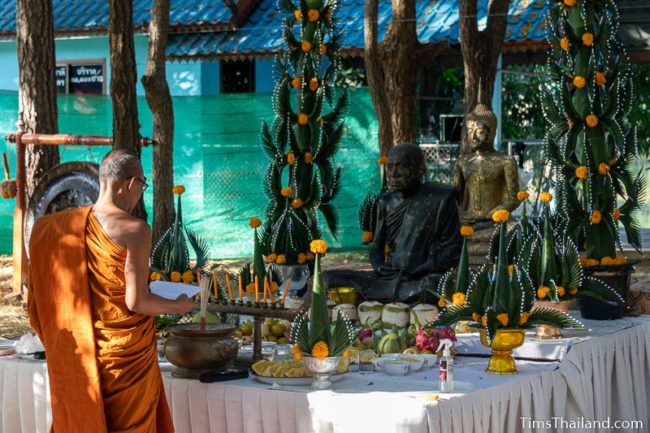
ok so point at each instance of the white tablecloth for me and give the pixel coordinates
(599, 378)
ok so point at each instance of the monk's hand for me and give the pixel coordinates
(184, 304)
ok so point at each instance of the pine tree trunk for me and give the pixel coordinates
(481, 50)
(160, 103)
(123, 78)
(36, 85)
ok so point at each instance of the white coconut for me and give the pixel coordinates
(425, 313)
(349, 310)
(369, 312)
(395, 314)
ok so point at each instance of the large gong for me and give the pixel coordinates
(66, 186)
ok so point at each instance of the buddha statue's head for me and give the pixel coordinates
(481, 126)
(406, 168)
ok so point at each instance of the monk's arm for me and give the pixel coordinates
(136, 271)
(377, 247)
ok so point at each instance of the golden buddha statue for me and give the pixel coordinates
(487, 180)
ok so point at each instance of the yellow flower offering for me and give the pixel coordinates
(522, 195)
(318, 246)
(573, 291)
(523, 318)
(313, 15)
(290, 158)
(155, 276)
(620, 260)
(282, 259)
(175, 277)
(596, 216)
(287, 191)
(466, 231)
(366, 237)
(603, 168)
(295, 82)
(591, 120)
(564, 44)
(543, 291)
(616, 214)
(601, 78)
(296, 203)
(322, 49)
(582, 172)
(570, 3)
(503, 319)
(561, 291)
(313, 84)
(592, 262)
(309, 158)
(310, 256)
(303, 119)
(297, 14)
(320, 350)
(271, 258)
(606, 261)
(546, 197)
(301, 258)
(441, 303)
(297, 354)
(579, 82)
(254, 223)
(306, 46)
(500, 216)
(178, 189)
(587, 39)
(188, 276)
(458, 298)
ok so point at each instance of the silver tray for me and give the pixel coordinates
(293, 381)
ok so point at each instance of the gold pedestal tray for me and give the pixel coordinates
(505, 340)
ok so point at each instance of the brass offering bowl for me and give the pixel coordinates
(342, 295)
(193, 350)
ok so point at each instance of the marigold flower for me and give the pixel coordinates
(367, 237)
(250, 288)
(295, 82)
(522, 195)
(458, 298)
(155, 276)
(587, 39)
(301, 258)
(616, 214)
(591, 120)
(603, 168)
(476, 317)
(282, 259)
(303, 118)
(313, 84)
(592, 262)
(546, 197)
(254, 223)
(564, 44)
(296, 203)
(309, 158)
(297, 354)
(500, 216)
(306, 46)
(606, 261)
(579, 81)
(287, 191)
(582, 172)
(570, 3)
(313, 15)
(320, 350)
(573, 291)
(441, 303)
(596, 216)
(318, 246)
(178, 189)
(620, 260)
(543, 291)
(466, 231)
(601, 78)
(290, 158)
(175, 277)
(523, 318)
(561, 291)
(383, 160)
(310, 256)
(271, 258)
(297, 14)
(188, 276)
(322, 49)
(503, 319)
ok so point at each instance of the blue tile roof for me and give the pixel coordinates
(92, 15)
(437, 20)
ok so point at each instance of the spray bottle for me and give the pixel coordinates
(446, 366)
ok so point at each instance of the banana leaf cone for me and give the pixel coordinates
(258, 260)
(462, 279)
(548, 267)
(319, 319)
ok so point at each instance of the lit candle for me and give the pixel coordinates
(216, 287)
(241, 288)
(230, 294)
(257, 289)
(286, 290)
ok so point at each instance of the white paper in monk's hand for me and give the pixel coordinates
(169, 290)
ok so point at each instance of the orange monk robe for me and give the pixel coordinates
(102, 363)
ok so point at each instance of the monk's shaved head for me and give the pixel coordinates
(119, 164)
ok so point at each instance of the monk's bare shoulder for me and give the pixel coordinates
(134, 231)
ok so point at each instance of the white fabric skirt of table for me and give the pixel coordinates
(604, 378)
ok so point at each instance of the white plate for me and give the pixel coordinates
(293, 381)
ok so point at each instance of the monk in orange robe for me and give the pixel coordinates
(90, 304)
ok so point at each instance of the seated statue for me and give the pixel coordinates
(487, 180)
(416, 238)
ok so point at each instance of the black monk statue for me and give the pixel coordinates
(417, 236)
